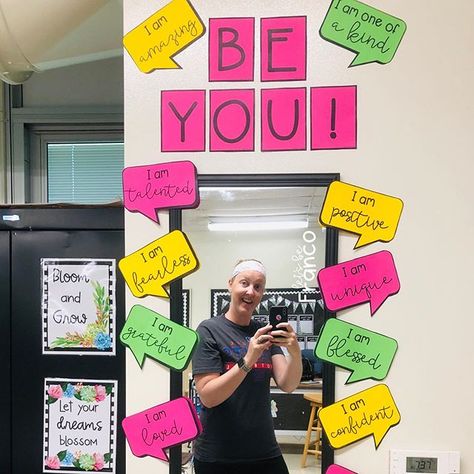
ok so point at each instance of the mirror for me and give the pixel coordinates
(281, 215)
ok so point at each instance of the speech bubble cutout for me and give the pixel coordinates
(160, 262)
(372, 278)
(336, 469)
(374, 216)
(367, 354)
(150, 334)
(161, 186)
(164, 34)
(151, 431)
(370, 412)
(371, 33)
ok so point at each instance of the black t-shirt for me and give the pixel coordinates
(241, 428)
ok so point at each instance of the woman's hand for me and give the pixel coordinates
(287, 338)
(261, 341)
(287, 369)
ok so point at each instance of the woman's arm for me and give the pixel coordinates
(287, 370)
(214, 388)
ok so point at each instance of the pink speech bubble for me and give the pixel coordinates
(161, 186)
(371, 278)
(336, 469)
(151, 431)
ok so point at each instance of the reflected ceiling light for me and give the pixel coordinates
(249, 223)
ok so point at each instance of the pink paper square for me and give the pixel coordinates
(232, 120)
(283, 119)
(231, 49)
(183, 120)
(333, 117)
(283, 49)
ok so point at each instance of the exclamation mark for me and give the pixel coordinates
(333, 134)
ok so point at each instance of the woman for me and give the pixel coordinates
(232, 367)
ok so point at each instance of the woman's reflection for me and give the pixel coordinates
(232, 367)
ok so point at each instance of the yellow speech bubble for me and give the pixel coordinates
(155, 41)
(374, 216)
(370, 412)
(148, 269)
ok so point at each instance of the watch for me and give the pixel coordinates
(242, 365)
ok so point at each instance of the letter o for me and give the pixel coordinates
(247, 121)
(312, 234)
(392, 27)
(367, 16)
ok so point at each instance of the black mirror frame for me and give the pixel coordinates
(176, 303)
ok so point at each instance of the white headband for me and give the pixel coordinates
(249, 265)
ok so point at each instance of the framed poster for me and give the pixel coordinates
(79, 428)
(78, 306)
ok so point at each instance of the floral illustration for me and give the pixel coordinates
(96, 334)
(84, 462)
(85, 393)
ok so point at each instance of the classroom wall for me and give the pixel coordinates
(414, 139)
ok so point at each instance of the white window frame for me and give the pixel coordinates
(42, 136)
(32, 130)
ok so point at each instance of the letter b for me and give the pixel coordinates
(231, 49)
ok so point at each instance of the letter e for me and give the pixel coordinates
(283, 49)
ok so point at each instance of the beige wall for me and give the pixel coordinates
(414, 142)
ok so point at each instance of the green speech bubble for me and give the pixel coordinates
(371, 33)
(367, 354)
(150, 334)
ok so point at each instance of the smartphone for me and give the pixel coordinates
(278, 314)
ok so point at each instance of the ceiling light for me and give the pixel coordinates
(257, 223)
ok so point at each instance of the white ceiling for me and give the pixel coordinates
(47, 34)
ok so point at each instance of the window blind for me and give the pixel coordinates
(85, 173)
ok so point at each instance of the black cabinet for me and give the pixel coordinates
(28, 234)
